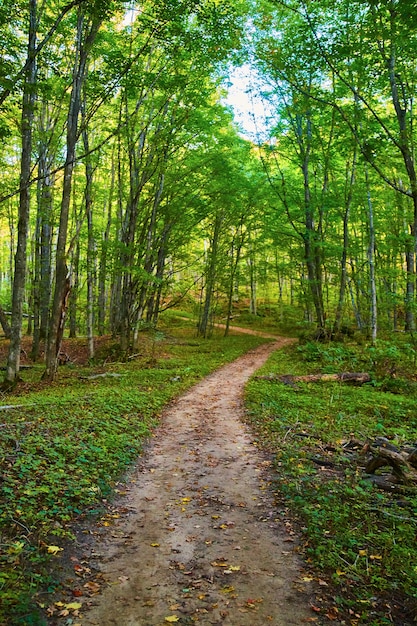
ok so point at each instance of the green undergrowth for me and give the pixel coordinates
(64, 446)
(359, 538)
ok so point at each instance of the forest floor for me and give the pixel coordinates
(195, 536)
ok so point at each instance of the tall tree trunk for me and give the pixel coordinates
(211, 273)
(312, 247)
(253, 303)
(103, 267)
(62, 278)
(91, 251)
(371, 260)
(13, 361)
(235, 253)
(343, 261)
(42, 273)
(75, 287)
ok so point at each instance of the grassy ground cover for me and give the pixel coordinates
(64, 446)
(360, 540)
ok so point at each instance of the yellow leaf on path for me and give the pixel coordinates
(375, 556)
(172, 618)
(185, 499)
(155, 545)
(54, 550)
(363, 552)
(234, 568)
(73, 606)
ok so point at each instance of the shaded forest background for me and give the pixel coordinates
(127, 188)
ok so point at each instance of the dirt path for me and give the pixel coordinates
(201, 543)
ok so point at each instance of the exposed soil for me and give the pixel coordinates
(201, 540)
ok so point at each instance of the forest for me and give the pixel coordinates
(131, 200)
(127, 188)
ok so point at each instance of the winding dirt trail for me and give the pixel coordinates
(202, 542)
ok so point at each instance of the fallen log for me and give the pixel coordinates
(386, 454)
(357, 378)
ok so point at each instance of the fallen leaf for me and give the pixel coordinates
(73, 606)
(172, 618)
(155, 545)
(54, 550)
(77, 593)
(92, 587)
(332, 614)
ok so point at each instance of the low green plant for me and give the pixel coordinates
(65, 446)
(357, 537)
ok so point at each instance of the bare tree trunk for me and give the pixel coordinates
(42, 273)
(29, 94)
(343, 261)
(62, 279)
(253, 308)
(203, 324)
(103, 269)
(235, 254)
(91, 251)
(371, 260)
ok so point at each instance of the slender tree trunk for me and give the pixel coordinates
(149, 285)
(343, 261)
(235, 254)
(13, 361)
(103, 267)
(42, 273)
(312, 250)
(203, 325)
(91, 248)
(371, 260)
(154, 301)
(253, 305)
(75, 287)
(62, 279)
